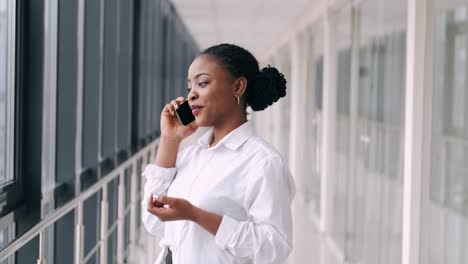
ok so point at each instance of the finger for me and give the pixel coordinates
(169, 108)
(166, 200)
(180, 99)
(150, 202)
(159, 212)
(164, 214)
(175, 104)
(156, 203)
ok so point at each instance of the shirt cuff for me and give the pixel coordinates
(155, 172)
(225, 231)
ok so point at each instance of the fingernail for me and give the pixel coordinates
(155, 197)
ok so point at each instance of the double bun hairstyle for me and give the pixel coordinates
(264, 87)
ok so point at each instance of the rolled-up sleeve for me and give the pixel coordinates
(266, 237)
(158, 180)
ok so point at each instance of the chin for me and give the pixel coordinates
(201, 122)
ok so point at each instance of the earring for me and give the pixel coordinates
(238, 100)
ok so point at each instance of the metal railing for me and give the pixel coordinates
(77, 204)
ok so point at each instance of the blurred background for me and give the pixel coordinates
(374, 126)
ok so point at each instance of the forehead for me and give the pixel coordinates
(205, 64)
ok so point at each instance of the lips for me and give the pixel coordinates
(196, 109)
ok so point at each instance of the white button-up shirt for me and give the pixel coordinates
(242, 178)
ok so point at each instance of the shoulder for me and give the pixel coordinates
(263, 157)
(259, 147)
(268, 168)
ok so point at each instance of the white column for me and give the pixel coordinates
(297, 114)
(414, 186)
(329, 122)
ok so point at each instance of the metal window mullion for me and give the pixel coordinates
(415, 188)
(131, 22)
(49, 117)
(117, 92)
(101, 83)
(79, 95)
(49, 123)
(79, 227)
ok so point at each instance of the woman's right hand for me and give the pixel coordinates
(170, 125)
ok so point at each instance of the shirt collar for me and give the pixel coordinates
(233, 140)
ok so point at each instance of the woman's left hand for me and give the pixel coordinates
(174, 209)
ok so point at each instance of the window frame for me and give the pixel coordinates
(10, 190)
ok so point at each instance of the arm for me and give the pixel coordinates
(167, 152)
(181, 209)
(266, 237)
(160, 174)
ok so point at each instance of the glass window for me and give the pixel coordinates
(7, 17)
(344, 33)
(371, 39)
(313, 126)
(447, 214)
(283, 64)
(375, 222)
(7, 234)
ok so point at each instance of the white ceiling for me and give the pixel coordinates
(252, 24)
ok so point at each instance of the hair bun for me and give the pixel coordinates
(268, 86)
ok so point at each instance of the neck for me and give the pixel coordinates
(221, 130)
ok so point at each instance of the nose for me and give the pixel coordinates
(192, 96)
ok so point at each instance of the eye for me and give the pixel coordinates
(203, 84)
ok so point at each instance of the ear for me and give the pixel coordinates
(240, 86)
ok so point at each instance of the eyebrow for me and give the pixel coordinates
(198, 75)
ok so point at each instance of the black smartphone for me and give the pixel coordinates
(184, 114)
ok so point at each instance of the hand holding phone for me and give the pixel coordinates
(184, 114)
(176, 121)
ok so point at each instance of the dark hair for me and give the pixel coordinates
(264, 87)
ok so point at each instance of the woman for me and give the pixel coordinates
(226, 199)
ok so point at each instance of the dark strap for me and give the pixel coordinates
(169, 256)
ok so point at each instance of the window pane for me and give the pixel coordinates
(313, 127)
(370, 129)
(3, 69)
(341, 201)
(7, 234)
(375, 225)
(447, 215)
